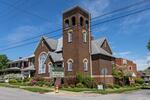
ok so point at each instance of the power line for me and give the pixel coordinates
(116, 18)
(121, 16)
(105, 14)
(123, 8)
(92, 26)
(24, 11)
(21, 45)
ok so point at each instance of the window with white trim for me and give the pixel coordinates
(50, 67)
(70, 64)
(85, 64)
(42, 65)
(84, 36)
(69, 36)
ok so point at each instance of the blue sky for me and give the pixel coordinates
(28, 18)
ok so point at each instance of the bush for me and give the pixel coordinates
(109, 86)
(79, 85)
(72, 86)
(139, 80)
(12, 81)
(116, 86)
(87, 81)
(40, 83)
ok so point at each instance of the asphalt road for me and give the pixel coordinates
(18, 94)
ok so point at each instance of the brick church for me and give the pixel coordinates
(75, 52)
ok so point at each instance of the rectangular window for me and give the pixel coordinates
(69, 66)
(85, 66)
(84, 37)
(69, 37)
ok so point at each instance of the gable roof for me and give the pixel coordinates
(56, 57)
(57, 45)
(51, 42)
(97, 49)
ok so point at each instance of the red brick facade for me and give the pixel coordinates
(129, 66)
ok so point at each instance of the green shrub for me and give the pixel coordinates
(39, 79)
(12, 81)
(116, 86)
(87, 81)
(139, 80)
(27, 79)
(72, 86)
(79, 85)
(40, 83)
(109, 86)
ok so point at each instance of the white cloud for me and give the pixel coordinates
(122, 54)
(22, 33)
(25, 32)
(134, 21)
(96, 7)
(143, 63)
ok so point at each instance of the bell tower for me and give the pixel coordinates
(76, 42)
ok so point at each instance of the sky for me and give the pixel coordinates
(25, 19)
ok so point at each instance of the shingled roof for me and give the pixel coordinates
(57, 46)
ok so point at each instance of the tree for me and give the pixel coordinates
(148, 45)
(147, 71)
(118, 75)
(3, 62)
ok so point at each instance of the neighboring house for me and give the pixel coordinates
(128, 67)
(144, 76)
(23, 65)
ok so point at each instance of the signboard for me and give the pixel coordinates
(104, 71)
(100, 87)
(57, 74)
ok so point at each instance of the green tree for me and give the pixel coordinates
(3, 62)
(147, 71)
(118, 75)
(148, 45)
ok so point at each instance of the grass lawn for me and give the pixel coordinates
(37, 89)
(28, 88)
(116, 90)
(78, 89)
(48, 89)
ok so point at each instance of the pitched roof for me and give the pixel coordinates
(97, 49)
(56, 57)
(51, 42)
(57, 45)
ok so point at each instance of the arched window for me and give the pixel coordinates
(81, 21)
(73, 21)
(66, 23)
(42, 66)
(70, 64)
(70, 36)
(84, 36)
(85, 64)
